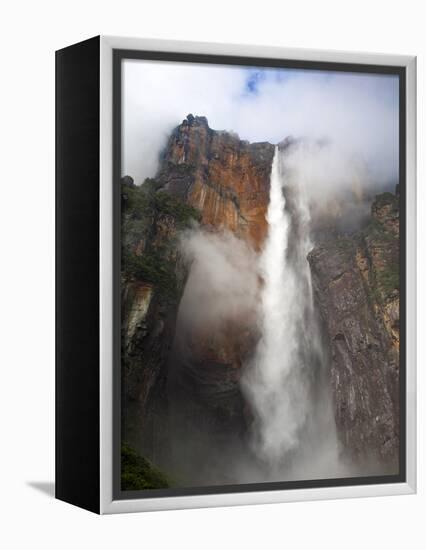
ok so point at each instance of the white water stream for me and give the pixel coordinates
(292, 419)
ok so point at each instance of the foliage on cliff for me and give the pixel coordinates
(137, 473)
(147, 202)
(151, 222)
(381, 238)
(150, 268)
(183, 213)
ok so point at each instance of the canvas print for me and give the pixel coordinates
(259, 275)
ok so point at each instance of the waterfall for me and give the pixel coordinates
(282, 382)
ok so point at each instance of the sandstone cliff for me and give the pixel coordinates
(225, 178)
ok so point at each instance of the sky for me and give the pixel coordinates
(356, 113)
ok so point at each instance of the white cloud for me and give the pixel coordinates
(357, 112)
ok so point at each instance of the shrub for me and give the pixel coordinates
(183, 213)
(137, 473)
(151, 268)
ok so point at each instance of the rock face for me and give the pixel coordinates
(356, 283)
(221, 182)
(152, 282)
(225, 178)
(181, 386)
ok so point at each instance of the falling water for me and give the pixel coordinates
(285, 382)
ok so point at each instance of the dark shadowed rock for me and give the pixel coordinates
(356, 287)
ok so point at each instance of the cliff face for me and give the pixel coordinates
(181, 385)
(152, 281)
(356, 284)
(221, 182)
(225, 178)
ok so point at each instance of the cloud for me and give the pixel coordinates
(357, 113)
(157, 96)
(223, 278)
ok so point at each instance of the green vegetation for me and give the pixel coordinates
(150, 186)
(383, 243)
(151, 222)
(147, 200)
(384, 283)
(183, 213)
(377, 230)
(137, 473)
(151, 267)
(388, 278)
(385, 199)
(134, 200)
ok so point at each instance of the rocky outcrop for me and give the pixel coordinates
(356, 285)
(225, 178)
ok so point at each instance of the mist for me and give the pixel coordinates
(232, 290)
(337, 186)
(223, 278)
(355, 114)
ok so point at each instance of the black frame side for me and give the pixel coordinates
(77, 468)
(119, 55)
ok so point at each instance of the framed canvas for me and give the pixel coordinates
(235, 283)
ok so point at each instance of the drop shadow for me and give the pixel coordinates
(46, 487)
